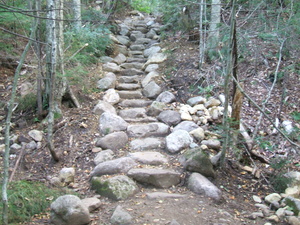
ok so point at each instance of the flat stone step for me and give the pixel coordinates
(155, 129)
(163, 195)
(150, 143)
(131, 72)
(143, 41)
(140, 60)
(135, 47)
(133, 65)
(149, 158)
(147, 119)
(134, 53)
(133, 113)
(125, 86)
(161, 178)
(129, 79)
(130, 94)
(135, 103)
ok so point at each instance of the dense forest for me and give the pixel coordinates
(245, 53)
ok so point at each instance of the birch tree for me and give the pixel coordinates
(214, 31)
(77, 13)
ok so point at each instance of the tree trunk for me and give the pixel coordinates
(201, 34)
(77, 13)
(214, 31)
(51, 71)
(7, 128)
(229, 70)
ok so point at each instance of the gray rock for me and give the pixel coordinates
(198, 134)
(151, 51)
(151, 90)
(120, 165)
(111, 96)
(146, 130)
(147, 144)
(169, 117)
(125, 86)
(121, 49)
(106, 83)
(31, 145)
(293, 220)
(174, 222)
(109, 123)
(67, 175)
(212, 144)
(280, 213)
(129, 79)
(111, 67)
(156, 59)
(124, 40)
(151, 34)
(117, 188)
(124, 29)
(198, 161)
(201, 185)
(156, 108)
(274, 197)
(150, 158)
(102, 107)
(212, 102)
(69, 210)
(91, 203)
(14, 148)
(119, 59)
(256, 199)
(114, 141)
(163, 195)
(151, 68)
(216, 158)
(36, 135)
(137, 60)
(186, 125)
(136, 35)
(166, 97)
(121, 217)
(143, 41)
(196, 100)
(160, 178)
(133, 113)
(103, 156)
(178, 140)
(105, 59)
(149, 77)
(26, 88)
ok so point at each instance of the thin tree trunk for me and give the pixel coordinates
(51, 72)
(214, 31)
(226, 85)
(201, 34)
(7, 128)
(77, 13)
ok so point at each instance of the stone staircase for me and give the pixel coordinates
(137, 118)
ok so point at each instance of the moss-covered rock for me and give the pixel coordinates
(117, 188)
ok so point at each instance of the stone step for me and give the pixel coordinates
(129, 79)
(135, 53)
(160, 178)
(131, 72)
(133, 113)
(147, 119)
(135, 103)
(126, 86)
(135, 47)
(140, 60)
(130, 94)
(143, 41)
(149, 158)
(144, 144)
(155, 129)
(133, 65)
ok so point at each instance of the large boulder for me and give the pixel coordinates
(102, 107)
(186, 125)
(151, 90)
(69, 210)
(169, 117)
(201, 185)
(178, 140)
(110, 122)
(113, 141)
(117, 188)
(198, 161)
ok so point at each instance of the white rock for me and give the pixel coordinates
(36, 135)
(274, 197)
(287, 126)
(111, 96)
(67, 175)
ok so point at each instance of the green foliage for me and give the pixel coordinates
(27, 198)
(144, 5)
(296, 115)
(89, 41)
(92, 16)
(207, 91)
(278, 179)
(27, 102)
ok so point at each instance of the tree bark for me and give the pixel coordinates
(77, 13)
(214, 31)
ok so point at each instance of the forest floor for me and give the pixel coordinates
(76, 140)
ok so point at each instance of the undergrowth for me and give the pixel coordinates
(26, 198)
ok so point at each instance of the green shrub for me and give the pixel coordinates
(278, 179)
(27, 102)
(96, 38)
(26, 199)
